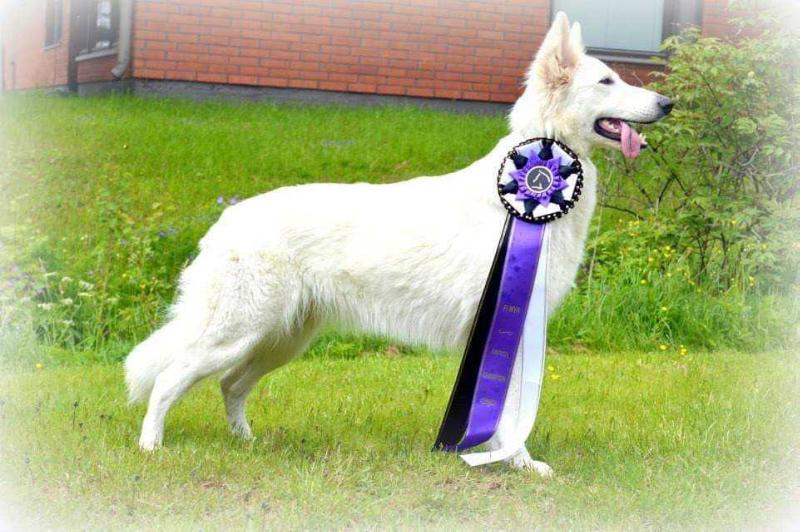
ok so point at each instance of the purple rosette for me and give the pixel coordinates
(539, 179)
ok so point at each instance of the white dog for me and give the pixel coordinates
(405, 260)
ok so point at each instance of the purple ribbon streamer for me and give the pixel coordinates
(505, 333)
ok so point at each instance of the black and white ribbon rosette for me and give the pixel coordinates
(539, 181)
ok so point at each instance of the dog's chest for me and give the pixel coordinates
(568, 241)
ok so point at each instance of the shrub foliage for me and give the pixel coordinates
(720, 182)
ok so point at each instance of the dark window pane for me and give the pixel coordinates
(53, 16)
(103, 24)
(680, 14)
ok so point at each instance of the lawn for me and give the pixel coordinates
(104, 201)
(637, 441)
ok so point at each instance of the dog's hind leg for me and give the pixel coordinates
(238, 382)
(188, 366)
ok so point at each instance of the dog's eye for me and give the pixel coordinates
(608, 80)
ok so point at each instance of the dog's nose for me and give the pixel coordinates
(665, 104)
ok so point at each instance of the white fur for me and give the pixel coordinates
(406, 260)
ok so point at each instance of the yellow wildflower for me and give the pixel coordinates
(39, 365)
(555, 376)
(663, 347)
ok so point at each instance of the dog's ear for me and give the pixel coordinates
(559, 53)
(576, 37)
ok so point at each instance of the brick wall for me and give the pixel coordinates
(96, 69)
(26, 62)
(715, 18)
(472, 50)
(429, 48)
(455, 49)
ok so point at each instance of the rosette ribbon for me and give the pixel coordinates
(510, 326)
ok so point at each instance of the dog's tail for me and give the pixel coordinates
(148, 360)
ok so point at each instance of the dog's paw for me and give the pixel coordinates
(149, 445)
(523, 461)
(243, 432)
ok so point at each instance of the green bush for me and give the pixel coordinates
(696, 242)
(719, 183)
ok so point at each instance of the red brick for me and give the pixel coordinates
(161, 65)
(223, 69)
(420, 91)
(361, 87)
(159, 45)
(269, 81)
(180, 56)
(147, 73)
(428, 48)
(212, 78)
(253, 71)
(333, 86)
(302, 84)
(184, 75)
(391, 89)
(447, 93)
(247, 61)
(182, 37)
(243, 80)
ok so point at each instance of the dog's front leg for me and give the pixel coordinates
(506, 429)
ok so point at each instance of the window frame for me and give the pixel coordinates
(91, 34)
(53, 23)
(669, 27)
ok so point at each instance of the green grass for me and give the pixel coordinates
(637, 441)
(116, 191)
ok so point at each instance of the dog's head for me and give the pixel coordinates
(578, 99)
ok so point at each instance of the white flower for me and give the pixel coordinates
(67, 301)
(45, 306)
(85, 285)
(66, 279)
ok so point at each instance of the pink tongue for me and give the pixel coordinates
(631, 141)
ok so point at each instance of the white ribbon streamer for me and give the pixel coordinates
(531, 352)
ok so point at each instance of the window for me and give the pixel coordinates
(53, 17)
(629, 27)
(101, 29)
